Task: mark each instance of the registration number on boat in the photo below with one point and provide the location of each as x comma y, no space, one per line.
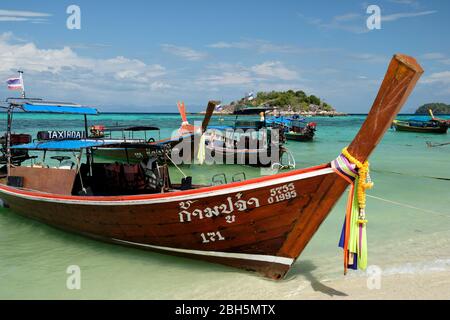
282,193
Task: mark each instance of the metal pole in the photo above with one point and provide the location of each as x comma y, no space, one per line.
88,150
8,140
23,83
86,126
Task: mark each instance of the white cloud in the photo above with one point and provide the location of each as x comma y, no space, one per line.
347,17
158,85
438,77
370,57
19,16
228,45
437,57
33,59
224,74
229,79
413,3
263,46
433,56
401,15
350,22
356,22
274,69
184,52
66,74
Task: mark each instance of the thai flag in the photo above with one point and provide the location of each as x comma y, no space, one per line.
15,84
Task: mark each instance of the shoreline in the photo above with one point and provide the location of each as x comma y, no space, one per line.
285,113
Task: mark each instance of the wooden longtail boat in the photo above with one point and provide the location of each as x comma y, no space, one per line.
246,142
295,128
301,133
432,126
261,224
187,132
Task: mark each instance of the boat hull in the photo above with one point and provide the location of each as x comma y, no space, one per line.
407,128
244,224
299,137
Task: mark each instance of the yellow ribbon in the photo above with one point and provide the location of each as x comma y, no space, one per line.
364,180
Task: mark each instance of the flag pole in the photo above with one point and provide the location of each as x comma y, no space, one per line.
23,84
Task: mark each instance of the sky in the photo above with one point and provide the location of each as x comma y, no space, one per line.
144,56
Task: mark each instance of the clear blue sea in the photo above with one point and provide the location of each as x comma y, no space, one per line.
408,231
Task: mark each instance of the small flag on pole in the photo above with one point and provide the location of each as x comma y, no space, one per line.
15,84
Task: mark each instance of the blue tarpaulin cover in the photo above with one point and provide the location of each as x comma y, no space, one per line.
420,119
50,108
64,144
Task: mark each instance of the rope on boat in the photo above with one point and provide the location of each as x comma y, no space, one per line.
291,157
412,175
409,206
176,165
83,189
280,166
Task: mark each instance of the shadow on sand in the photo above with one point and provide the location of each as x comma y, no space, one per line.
305,268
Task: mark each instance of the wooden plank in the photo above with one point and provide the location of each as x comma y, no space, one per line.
51,180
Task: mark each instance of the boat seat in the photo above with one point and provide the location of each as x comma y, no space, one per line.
134,177
113,175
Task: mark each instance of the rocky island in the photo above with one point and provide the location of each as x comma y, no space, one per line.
437,108
284,103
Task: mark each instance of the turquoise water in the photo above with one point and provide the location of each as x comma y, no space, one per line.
408,212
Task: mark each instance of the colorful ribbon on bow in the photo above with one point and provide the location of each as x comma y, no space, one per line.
353,237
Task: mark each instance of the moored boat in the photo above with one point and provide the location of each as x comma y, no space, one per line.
246,142
294,128
260,224
147,142
420,125
302,133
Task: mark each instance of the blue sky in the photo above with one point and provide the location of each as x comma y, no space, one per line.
143,56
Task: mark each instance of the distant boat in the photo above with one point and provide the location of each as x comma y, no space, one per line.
250,110
139,148
299,132
295,128
246,142
421,125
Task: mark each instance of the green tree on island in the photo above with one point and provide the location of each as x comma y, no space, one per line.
296,101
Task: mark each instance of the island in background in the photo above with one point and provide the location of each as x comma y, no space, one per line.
283,103
437,108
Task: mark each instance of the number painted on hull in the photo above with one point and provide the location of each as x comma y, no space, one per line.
211,237
282,193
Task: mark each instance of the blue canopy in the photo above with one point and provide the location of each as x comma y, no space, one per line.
65,144
420,119
282,120
58,108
